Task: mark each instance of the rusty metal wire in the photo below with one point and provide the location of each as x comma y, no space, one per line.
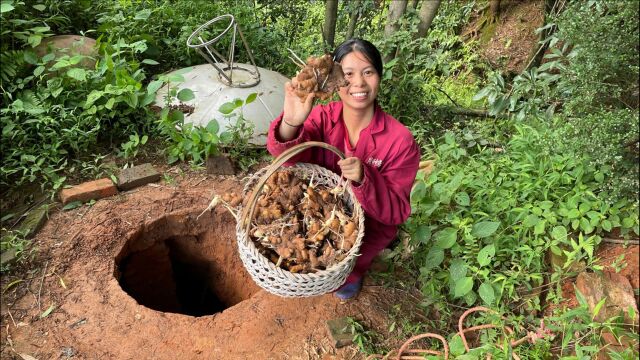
405,353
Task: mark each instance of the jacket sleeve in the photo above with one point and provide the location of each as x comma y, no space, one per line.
310,131
384,195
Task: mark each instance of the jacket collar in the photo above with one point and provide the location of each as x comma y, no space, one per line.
366,137
376,125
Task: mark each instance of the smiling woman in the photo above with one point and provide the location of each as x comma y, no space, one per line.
359,96
381,154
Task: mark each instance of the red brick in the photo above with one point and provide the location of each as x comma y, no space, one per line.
91,190
220,165
137,176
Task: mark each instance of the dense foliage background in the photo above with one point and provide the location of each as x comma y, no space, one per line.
551,167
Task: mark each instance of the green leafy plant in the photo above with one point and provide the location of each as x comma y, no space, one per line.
131,147
583,72
583,90
529,95
66,111
482,223
168,179
581,334
15,241
235,140
597,69
363,338
609,139
197,143
186,141
22,25
166,25
90,167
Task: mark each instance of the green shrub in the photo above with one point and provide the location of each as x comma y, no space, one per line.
164,26
601,57
609,139
435,70
63,111
483,222
586,91
167,25
196,143
593,63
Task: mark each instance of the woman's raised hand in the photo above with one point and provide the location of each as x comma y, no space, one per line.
295,111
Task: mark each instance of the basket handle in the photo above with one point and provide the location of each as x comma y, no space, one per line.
249,210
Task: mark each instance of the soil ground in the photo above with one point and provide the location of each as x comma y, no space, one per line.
509,42
139,275
86,256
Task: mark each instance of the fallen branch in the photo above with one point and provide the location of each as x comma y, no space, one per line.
622,241
456,110
44,273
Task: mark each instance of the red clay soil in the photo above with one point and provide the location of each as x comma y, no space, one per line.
135,240
609,253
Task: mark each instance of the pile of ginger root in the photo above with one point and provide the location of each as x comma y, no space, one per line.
300,227
319,75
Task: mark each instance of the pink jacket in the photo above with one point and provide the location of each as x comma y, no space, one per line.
387,149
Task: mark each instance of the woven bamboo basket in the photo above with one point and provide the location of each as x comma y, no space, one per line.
279,281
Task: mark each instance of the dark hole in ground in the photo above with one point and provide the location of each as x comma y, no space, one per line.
170,278
189,274
192,286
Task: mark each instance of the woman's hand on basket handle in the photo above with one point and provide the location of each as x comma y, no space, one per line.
295,111
351,168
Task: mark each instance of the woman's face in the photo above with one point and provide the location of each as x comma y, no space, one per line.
364,81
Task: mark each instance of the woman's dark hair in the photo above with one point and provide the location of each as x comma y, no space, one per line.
366,48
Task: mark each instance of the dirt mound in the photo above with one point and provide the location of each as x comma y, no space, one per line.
137,275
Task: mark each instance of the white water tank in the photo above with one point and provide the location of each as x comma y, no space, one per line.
210,93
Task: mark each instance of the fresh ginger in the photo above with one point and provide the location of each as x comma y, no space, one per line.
299,225
321,76
232,199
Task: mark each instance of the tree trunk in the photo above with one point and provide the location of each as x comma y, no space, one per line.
353,20
396,10
414,4
330,17
494,8
428,11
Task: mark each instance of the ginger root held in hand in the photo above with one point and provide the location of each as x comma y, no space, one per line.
321,76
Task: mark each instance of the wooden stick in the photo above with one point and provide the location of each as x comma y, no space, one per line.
44,273
621,241
301,63
12,320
